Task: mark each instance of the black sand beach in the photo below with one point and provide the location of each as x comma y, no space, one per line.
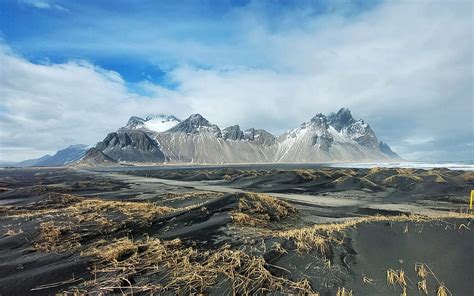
224,231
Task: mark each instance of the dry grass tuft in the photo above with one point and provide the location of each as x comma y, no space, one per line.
307,239
395,277
404,292
278,248
172,196
318,236
66,226
184,270
13,232
94,207
392,277
422,286
306,175
246,219
51,238
421,270
111,252
402,180
259,209
443,291
343,292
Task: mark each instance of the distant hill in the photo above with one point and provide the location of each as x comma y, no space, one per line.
61,157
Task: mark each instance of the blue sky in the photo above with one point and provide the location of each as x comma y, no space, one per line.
139,41
268,64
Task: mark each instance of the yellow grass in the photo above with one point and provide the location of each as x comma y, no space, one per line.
171,196
393,180
392,277
60,228
422,286
318,236
112,251
258,209
443,291
13,232
404,292
278,248
421,270
343,292
246,219
51,239
398,277
188,270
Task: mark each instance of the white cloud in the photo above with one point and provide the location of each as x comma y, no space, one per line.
42,4
50,106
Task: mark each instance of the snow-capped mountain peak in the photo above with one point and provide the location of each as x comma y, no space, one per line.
319,120
153,122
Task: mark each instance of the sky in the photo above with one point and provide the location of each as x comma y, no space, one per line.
73,71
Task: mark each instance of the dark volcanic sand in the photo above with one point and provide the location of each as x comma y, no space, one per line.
36,260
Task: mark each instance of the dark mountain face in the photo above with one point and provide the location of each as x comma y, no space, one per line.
259,136
343,118
135,122
232,133
163,117
356,130
95,157
194,125
320,120
131,145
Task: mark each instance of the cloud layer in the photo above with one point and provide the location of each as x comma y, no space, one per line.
405,67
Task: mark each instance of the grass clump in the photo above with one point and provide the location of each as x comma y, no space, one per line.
319,236
183,270
56,237
423,271
344,292
443,291
258,209
63,229
13,232
395,277
172,196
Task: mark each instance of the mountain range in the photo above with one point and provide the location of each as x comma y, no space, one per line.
167,139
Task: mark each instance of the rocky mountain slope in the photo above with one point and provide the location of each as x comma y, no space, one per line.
165,138
62,157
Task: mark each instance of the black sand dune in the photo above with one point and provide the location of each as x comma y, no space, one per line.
435,184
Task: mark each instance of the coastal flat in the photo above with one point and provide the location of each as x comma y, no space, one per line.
235,230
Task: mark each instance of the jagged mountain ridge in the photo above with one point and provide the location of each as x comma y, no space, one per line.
336,137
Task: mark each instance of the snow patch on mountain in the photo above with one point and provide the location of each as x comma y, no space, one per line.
153,122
